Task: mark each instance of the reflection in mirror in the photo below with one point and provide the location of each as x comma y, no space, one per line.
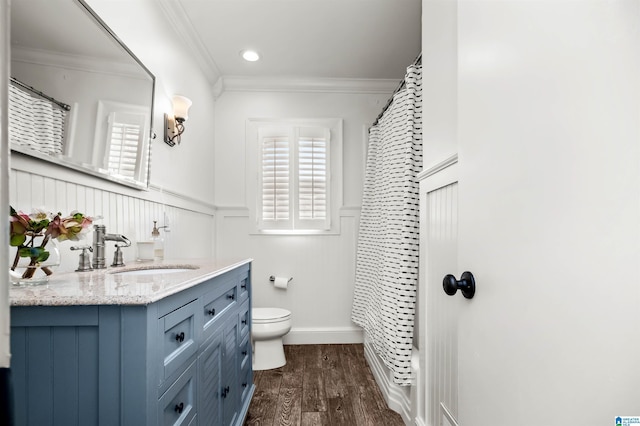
78,95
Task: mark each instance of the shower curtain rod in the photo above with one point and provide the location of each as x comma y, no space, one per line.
39,93
417,61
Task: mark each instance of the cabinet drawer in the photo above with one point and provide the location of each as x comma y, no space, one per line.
178,338
215,304
244,285
178,404
244,320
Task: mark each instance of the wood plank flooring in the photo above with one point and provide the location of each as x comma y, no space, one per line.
323,385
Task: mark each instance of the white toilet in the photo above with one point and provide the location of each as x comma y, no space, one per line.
268,327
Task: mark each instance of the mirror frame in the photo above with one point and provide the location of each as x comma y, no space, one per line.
65,161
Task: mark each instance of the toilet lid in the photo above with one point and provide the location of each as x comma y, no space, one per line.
269,314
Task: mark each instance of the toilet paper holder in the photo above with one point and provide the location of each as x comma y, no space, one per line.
272,278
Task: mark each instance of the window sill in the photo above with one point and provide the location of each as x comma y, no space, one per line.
279,232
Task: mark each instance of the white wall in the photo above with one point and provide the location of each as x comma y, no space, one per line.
439,80
141,25
322,267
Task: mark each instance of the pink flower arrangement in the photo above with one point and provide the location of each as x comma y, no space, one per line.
24,228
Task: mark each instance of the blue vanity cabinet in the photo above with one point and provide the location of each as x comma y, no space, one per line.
172,362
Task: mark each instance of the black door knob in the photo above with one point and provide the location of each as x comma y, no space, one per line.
467,285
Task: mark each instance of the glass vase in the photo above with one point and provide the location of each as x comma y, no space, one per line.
27,271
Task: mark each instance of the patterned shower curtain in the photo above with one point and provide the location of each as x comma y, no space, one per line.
387,249
35,123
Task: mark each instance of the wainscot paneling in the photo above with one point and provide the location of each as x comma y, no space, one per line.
123,210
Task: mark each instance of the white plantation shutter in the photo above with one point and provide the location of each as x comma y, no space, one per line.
313,182
294,179
275,182
125,134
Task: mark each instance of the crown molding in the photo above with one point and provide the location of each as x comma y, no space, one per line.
76,62
283,84
182,26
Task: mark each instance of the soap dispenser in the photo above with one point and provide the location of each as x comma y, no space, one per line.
158,243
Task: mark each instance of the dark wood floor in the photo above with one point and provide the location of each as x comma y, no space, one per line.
320,385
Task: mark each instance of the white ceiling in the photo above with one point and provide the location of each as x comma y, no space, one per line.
309,39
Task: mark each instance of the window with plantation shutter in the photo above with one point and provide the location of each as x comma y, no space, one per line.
124,137
294,178
121,140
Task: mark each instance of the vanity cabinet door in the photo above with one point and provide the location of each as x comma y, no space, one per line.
210,384
230,386
219,390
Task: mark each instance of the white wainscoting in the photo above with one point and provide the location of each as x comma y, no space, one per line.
398,397
124,210
324,335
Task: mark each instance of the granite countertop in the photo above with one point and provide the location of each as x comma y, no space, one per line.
105,287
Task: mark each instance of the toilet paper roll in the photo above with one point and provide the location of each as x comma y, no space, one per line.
281,282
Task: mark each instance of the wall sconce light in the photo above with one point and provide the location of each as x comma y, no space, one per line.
174,124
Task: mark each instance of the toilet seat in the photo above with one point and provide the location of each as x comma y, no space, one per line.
269,315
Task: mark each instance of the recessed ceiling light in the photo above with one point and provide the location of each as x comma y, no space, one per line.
250,55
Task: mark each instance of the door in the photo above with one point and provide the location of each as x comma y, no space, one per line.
548,123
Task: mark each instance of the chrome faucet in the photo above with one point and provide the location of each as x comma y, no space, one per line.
100,236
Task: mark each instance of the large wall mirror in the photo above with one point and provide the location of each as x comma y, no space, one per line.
78,96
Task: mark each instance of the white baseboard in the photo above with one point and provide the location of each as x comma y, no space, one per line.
398,397
324,336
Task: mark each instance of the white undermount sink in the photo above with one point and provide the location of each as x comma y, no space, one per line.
155,270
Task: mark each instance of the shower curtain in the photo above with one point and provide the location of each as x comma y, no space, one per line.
387,248
35,123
